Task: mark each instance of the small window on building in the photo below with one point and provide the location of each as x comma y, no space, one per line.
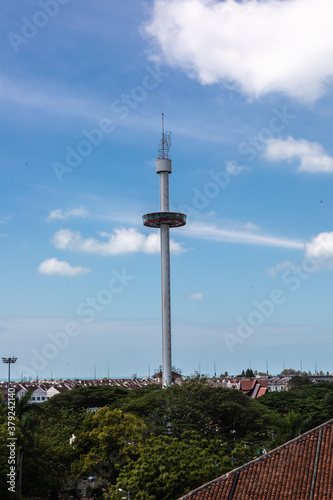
38,398
33,398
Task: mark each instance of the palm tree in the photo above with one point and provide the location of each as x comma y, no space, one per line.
26,438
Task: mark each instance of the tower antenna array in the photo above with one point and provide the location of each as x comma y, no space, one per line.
165,143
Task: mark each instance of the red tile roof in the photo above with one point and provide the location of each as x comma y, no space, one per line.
248,384
253,387
261,391
298,470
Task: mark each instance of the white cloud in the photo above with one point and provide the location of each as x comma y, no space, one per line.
259,46
318,256
59,214
196,296
311,155
320,246
55,266
233,169
250,226
272,272
120,241
210,232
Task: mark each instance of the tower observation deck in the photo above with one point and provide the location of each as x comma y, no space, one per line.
164,220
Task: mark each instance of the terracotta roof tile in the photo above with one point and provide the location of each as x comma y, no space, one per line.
298,470
248,384
261,391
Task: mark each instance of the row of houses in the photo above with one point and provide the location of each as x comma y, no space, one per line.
253,387
42,390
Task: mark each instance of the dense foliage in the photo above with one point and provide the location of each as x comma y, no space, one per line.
155,443
198,406
301,408
88,397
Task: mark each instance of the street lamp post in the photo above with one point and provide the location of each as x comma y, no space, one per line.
9,361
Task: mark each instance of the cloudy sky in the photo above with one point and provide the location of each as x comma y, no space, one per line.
246,88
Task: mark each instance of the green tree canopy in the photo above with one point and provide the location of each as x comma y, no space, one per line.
169,467
309,405
198,406
107,440
87,397
298,381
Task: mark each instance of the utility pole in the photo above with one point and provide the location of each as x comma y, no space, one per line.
9,361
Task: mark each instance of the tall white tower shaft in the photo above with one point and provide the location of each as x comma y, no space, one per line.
165,283
164,220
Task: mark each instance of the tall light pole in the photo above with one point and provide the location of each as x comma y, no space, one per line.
164,220
9,361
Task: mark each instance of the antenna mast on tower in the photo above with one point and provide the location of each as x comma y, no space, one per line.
165,143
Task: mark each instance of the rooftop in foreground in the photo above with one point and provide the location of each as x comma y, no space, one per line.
298,470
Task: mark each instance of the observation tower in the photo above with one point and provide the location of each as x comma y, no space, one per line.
164,220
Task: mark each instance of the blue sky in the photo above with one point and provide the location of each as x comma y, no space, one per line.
246,88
